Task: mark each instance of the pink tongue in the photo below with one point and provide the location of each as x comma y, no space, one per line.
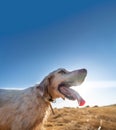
74,94
80,100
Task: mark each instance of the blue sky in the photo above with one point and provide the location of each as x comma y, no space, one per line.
37,37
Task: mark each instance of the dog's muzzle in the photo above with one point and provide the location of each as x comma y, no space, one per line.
75,78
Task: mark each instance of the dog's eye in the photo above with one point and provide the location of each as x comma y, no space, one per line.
62,72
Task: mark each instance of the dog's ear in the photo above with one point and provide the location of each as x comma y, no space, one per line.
44,86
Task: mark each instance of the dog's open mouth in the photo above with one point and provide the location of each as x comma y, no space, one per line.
70,94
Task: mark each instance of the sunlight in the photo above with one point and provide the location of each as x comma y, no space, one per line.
88,86
100,84
96,92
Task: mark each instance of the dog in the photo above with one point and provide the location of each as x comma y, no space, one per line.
27,109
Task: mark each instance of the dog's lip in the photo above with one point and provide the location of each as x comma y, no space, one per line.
64,88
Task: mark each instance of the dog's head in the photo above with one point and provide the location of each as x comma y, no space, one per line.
57,84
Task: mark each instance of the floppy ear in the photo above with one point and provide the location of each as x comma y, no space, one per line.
44,86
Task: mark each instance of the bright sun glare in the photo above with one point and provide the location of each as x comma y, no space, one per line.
88,91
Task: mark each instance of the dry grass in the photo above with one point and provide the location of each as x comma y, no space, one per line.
83,118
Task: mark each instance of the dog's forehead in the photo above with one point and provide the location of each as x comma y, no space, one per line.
61,69
58,70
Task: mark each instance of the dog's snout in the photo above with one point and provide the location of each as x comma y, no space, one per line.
83,70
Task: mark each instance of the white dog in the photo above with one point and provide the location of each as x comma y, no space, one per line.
26,109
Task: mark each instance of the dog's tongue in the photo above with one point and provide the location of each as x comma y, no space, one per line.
72,95
80,100
76,95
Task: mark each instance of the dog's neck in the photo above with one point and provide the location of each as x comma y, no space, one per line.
46,96
44,93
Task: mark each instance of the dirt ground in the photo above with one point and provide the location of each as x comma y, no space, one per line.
88,118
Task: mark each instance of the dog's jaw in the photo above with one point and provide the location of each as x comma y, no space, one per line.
71,94
75,80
